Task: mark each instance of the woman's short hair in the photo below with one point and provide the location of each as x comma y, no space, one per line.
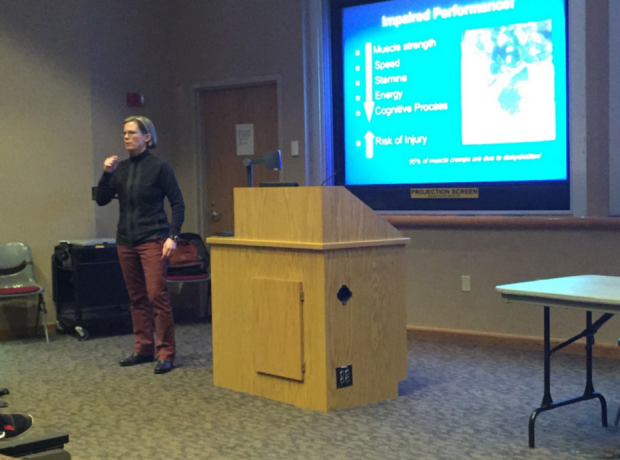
145,126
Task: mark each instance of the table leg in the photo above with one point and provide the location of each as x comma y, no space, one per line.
589,393
589,342
547,400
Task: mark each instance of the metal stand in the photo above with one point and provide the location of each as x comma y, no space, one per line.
271,160
249,179
589,393
42,311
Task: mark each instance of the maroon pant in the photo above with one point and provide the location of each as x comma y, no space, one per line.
144,273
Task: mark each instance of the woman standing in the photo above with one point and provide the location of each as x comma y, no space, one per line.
144,239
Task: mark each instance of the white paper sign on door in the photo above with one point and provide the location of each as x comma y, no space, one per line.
245,140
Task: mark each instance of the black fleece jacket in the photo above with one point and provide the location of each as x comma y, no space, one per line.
141,183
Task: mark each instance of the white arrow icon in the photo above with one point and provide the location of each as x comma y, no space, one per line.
369,104
370,140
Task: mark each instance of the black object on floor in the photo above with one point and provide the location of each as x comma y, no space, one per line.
136,359
163,367
28,446
89,290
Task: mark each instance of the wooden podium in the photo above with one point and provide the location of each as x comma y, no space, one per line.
308,299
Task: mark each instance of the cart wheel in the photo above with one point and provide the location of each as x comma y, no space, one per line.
82,334
60,328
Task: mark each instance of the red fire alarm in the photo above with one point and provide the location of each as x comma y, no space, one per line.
135,100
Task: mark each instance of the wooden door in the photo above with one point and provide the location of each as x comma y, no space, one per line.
224,109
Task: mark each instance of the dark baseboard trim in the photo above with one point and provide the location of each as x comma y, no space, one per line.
427,334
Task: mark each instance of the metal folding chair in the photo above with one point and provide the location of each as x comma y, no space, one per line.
17,277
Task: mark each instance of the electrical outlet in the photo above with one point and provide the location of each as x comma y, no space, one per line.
465,283
344,376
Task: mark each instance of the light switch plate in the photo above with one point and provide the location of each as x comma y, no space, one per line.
466,283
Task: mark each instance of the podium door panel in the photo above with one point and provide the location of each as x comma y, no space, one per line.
278,315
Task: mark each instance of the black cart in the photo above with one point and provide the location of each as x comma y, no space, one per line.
89,290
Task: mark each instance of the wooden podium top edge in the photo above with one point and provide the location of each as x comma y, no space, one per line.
231,241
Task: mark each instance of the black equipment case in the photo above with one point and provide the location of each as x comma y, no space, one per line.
88,286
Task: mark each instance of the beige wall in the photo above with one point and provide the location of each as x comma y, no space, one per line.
228,42
45,129
437,259
65,66
129,50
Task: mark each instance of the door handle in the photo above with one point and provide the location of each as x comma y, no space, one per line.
215,216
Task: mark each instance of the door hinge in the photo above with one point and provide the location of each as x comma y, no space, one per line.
301,296
303,368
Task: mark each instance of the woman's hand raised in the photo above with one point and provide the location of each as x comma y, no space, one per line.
110,164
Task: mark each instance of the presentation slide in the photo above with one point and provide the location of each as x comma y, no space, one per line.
444,92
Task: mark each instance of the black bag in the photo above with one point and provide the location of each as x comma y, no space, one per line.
190,258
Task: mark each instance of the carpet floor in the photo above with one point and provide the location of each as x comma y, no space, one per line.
459,402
